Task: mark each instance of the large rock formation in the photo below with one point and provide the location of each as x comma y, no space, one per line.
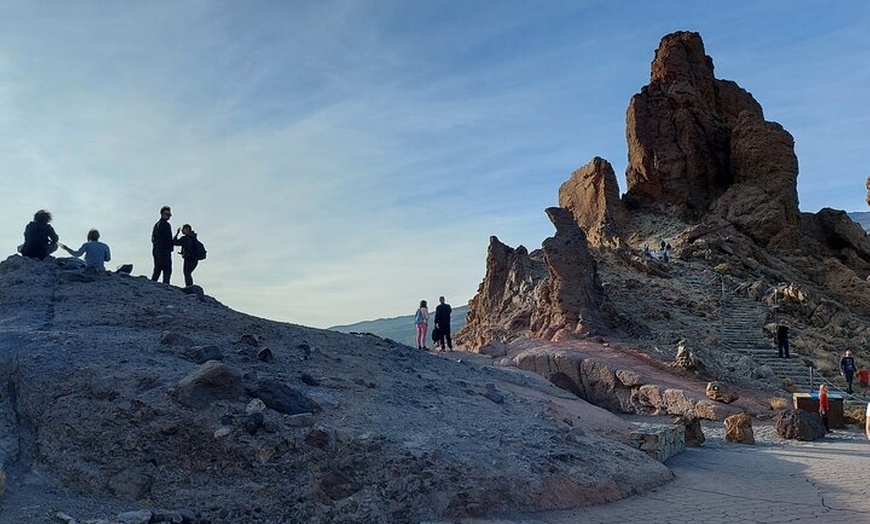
709,175
592,195
553,290
678,129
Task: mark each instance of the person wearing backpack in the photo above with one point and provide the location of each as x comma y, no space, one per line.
421,320
192,251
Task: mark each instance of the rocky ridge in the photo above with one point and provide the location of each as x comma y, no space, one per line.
716,184
123,395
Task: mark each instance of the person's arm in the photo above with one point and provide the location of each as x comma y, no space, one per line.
77,253
108,253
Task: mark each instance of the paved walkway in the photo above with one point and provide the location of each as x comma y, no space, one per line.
820,482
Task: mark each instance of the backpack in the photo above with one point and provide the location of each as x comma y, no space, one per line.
418,317
198,249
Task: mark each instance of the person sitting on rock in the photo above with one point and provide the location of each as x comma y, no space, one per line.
96,253
40,240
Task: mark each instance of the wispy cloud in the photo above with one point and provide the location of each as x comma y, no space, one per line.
343,160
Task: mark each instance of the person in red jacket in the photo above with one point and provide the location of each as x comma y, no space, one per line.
824,406
863,379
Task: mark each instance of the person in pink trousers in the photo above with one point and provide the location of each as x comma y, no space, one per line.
421,320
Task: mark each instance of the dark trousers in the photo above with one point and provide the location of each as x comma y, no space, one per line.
783,348
190,264
848,376
162,264
445,336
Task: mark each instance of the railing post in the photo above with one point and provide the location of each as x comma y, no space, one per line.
812,385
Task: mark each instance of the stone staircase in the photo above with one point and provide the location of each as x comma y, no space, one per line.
742,332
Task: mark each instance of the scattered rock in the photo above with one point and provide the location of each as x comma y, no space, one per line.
174,339
209,382
282,398
720,392
265,355
142,516
797,424
738,428
694,434
493,394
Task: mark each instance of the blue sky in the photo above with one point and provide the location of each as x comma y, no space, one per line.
342,160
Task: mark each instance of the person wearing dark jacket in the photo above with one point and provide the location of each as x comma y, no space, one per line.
442,323
162,246
188,252
40,240
847,369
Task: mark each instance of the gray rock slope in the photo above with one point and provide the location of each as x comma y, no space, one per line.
138,395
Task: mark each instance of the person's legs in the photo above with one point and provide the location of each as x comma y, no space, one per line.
449,341
189,265
157,269
849,377
421,335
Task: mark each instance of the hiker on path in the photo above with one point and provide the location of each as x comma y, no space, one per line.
162,246
847,369
188,251
863,379
40,240
782,339
867,421
824,406
442,323
96,253
421,320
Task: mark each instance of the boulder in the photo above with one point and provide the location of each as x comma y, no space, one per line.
797,424
694,434
592,196
720,392
545,294
282,398
738,428
211,381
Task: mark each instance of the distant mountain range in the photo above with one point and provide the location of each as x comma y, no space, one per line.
862,218
401,329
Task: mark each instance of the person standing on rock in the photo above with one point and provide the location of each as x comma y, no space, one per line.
782,339
40,240
421,320
847,369
162,245
96,253
188,251
442,323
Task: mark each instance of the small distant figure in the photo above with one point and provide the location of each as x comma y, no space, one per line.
40,240
421,320
96,253
189,251
847,369
646,250
824,406
867,421
442,323
782,339
663,245
162,246
863,379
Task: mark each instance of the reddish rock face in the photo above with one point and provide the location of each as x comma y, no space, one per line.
592,195
678,129
540,294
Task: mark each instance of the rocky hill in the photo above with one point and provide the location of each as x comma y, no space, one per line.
126,395
706,246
